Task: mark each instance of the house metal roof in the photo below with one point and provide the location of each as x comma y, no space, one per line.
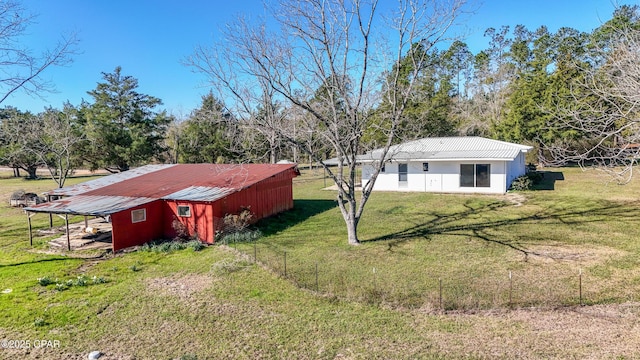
450,148
191,182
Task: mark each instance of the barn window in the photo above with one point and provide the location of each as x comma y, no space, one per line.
184,211
138,215
402,172
425,166
475,175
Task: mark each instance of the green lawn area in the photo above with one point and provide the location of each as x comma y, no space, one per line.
430,281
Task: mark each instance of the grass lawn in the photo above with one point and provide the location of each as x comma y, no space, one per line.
431,280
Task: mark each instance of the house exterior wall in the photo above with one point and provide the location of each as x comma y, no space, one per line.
126,233
516,168
444,176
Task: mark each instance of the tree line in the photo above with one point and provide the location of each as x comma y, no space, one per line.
556,91
329,82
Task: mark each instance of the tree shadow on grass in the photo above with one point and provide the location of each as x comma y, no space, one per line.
34,261
302,210
479,222
549,179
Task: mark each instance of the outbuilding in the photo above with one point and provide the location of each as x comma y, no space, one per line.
467,164
146,203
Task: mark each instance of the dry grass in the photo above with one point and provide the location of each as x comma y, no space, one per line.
593,332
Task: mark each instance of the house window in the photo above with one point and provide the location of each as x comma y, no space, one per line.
475,175
402,172
425,166
184,211
483,175
138,215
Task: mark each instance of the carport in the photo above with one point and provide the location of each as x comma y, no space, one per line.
84,205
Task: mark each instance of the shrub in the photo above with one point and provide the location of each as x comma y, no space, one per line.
243,236
521,183
45,280
237,222
196,245
99,280
39,322
526,182
81,281
61,286
182,233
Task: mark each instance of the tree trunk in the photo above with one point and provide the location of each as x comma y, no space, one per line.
352,231
351,220
32,171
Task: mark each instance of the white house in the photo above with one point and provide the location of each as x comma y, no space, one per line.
448,164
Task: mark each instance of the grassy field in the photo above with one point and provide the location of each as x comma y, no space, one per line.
430,281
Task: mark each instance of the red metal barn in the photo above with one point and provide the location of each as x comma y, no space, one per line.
153,201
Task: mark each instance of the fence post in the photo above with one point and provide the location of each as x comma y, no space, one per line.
375,287
255,252
580,284
317,277
285,264
440,298
510,290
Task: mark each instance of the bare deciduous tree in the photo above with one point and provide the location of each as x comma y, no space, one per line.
20,69
603,117
334,60
57,147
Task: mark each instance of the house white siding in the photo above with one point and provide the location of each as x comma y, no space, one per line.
442,176
450,164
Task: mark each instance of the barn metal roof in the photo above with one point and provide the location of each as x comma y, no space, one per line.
199,193
190,182
90,205
450,148
107,180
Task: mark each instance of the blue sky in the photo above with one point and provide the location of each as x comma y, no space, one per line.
150,38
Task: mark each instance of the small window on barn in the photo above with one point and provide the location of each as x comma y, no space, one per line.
139,215
425,166
184,211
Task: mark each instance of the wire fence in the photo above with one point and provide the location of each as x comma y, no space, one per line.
453,291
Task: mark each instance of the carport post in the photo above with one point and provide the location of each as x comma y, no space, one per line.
66,220
86,223
50,214
30,233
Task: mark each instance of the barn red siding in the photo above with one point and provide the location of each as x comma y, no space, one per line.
200,221
265,198
211,191
125,233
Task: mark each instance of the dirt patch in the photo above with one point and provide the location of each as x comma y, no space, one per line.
180,285
516,199
583,255
80,238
